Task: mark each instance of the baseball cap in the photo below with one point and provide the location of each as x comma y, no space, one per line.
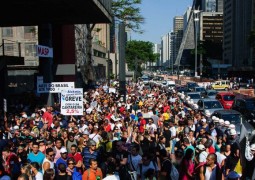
203,120
232,132
92,143
253,147
24,116
86,132
200,147
227,123
63,150
221,121
231,126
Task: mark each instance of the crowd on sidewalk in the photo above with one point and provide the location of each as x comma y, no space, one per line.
148,134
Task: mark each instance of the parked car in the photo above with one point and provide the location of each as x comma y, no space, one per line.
234,117
226,99
209,104
209,94
246,107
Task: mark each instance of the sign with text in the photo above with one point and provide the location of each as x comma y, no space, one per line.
72,101
44,51
54,87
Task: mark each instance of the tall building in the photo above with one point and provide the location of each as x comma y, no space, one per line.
186,18
209,5
27,37
178,34
219,5
238,24
211,26
165,50
156,50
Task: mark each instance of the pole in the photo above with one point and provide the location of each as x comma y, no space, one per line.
19,49
116,67
3,46
195,48
136,69
122,70
108,68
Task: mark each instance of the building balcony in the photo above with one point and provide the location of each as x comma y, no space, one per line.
35,12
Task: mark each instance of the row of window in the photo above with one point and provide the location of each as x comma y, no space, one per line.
29,32
11,49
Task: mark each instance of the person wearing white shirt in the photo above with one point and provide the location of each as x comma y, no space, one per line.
35,169
151,127
95,136
173,135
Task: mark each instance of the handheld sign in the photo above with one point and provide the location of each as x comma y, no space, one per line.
72,101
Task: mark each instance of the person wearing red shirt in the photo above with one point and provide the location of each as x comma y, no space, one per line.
74,154
107,126
48,117
10,163
142,124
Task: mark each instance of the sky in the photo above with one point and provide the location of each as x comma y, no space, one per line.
159,16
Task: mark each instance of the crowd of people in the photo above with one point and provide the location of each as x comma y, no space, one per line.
149,133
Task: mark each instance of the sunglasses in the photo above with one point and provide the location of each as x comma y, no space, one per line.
71,163
85,141
52,155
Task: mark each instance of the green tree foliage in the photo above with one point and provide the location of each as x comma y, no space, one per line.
139,52
128,12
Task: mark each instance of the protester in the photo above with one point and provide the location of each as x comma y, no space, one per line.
141,136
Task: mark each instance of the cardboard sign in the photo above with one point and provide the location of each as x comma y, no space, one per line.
72,102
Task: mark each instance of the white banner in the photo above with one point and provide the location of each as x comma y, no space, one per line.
44,51
72,102
54,87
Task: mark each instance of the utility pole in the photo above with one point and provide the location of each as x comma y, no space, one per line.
108,68
122,60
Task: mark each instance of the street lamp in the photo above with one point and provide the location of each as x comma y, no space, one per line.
196,20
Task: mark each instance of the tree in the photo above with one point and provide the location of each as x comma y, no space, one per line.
122,10
139,52
128,12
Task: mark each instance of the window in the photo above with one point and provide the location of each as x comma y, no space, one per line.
29,32
29,29
8,49
7,32
30,49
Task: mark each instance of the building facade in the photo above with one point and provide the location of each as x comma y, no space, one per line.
178,34
238,24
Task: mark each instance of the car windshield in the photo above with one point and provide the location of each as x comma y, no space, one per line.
194,96
212,93
250,105
228,97
232,118
212,105
200,89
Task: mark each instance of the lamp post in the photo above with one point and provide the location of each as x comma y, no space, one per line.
196,20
